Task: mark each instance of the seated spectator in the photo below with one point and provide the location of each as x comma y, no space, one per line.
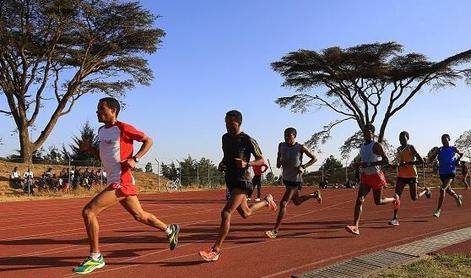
15,178
64,176
77,178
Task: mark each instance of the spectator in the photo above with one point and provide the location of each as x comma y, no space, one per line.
29,181
64,176
15,178
77,178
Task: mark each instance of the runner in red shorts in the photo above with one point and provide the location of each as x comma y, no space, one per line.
116,153
372,178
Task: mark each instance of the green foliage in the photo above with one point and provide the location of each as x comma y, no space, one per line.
362,82
202,172
87,134
54,52
332,163
463,143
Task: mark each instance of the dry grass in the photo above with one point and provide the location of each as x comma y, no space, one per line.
146,183
437,266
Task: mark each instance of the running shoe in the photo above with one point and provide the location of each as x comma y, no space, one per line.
89,264
394,222
437,213
271,203
459,201
271,234
397,202
428,193
257,200
173,236
210,255
353,229
317,195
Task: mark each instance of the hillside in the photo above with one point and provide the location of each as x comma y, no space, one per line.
147,182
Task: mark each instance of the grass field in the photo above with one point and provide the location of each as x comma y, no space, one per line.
435,266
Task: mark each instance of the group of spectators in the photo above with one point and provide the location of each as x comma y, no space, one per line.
65,180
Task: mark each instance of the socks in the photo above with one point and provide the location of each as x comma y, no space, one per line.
95,256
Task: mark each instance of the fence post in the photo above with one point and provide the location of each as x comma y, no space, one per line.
209,178
158,174
198,174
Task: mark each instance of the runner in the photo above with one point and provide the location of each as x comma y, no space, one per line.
237,147
257,180
464,174
116,153
290,158
407,158
372,158
447,169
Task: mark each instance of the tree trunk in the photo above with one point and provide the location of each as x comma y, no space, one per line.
26,146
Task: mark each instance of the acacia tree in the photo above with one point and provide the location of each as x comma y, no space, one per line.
463,143
363,82
53,52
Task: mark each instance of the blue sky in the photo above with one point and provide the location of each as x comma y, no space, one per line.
217,54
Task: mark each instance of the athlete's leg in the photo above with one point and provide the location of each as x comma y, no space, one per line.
290,191
245,210
237,197
445,184
133,206
363,191
380,200
105,199
399,189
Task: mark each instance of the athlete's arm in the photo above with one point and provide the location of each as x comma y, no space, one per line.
263,168
145,147
278,157
257,153
419,160
312,157
378,150
257,162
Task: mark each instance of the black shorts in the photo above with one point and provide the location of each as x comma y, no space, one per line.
405,181
291,184
244,185
257,181
447,177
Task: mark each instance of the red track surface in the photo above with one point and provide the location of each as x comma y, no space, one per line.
47,238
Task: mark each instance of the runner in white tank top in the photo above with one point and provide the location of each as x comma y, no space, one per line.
372,158
290,159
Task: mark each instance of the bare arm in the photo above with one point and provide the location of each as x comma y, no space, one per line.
264,167
378,150
278,157
145,147
257,162
312,157
419,160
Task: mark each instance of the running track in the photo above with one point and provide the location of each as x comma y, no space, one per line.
47,238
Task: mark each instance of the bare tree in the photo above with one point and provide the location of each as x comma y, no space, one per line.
54,52
363,82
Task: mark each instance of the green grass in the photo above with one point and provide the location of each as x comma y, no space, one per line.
436,266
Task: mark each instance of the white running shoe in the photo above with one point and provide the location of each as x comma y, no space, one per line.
394,222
